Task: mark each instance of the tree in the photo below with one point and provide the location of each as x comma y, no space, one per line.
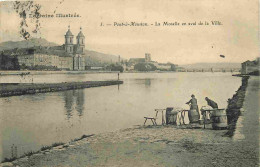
15,62
23,66
114,67
9,62
28,10
145,67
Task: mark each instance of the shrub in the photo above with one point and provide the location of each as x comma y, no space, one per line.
145,67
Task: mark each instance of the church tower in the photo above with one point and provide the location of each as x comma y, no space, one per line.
80,42
79,58
69,41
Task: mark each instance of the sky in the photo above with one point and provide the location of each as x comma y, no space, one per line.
236,38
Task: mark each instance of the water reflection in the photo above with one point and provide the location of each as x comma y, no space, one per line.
147,82
71,98
68,99
80,102
11,143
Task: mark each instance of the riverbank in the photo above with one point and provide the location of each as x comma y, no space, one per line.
3,73
146,146
24,88
235,105
154,146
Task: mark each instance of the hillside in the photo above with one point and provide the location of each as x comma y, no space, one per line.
212,65
93,57
101,57
25,44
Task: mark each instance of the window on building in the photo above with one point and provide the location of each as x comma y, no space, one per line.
70,49
82,49
70,40
81,41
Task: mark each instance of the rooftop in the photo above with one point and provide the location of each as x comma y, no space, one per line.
69,33
80,34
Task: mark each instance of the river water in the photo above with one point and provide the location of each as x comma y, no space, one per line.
29,122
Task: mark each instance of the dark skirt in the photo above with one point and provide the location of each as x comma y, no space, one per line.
195,107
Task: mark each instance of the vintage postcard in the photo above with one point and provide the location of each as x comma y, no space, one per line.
129,83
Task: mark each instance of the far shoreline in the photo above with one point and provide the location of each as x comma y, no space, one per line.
8,73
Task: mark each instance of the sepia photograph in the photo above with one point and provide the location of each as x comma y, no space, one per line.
129,83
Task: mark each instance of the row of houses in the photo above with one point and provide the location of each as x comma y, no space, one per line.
148,60
49,57
44,57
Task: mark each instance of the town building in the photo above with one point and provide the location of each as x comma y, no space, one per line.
46,57
163,66
146,59
69,56
250,66
76,50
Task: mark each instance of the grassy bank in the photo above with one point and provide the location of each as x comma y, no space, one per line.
46,149
22,89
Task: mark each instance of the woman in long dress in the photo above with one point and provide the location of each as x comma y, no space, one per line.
193,104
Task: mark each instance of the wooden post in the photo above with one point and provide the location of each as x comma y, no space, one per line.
204,116
162,118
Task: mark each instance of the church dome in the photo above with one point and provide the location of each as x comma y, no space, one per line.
68,33
80,34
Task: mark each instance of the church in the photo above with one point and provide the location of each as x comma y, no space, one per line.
69,56
76,51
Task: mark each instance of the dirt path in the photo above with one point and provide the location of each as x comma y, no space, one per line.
151,146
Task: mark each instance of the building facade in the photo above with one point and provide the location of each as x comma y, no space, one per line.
65,63
41,56
148,57
162,66
250,66
76,51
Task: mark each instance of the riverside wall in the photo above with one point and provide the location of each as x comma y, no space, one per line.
235,105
